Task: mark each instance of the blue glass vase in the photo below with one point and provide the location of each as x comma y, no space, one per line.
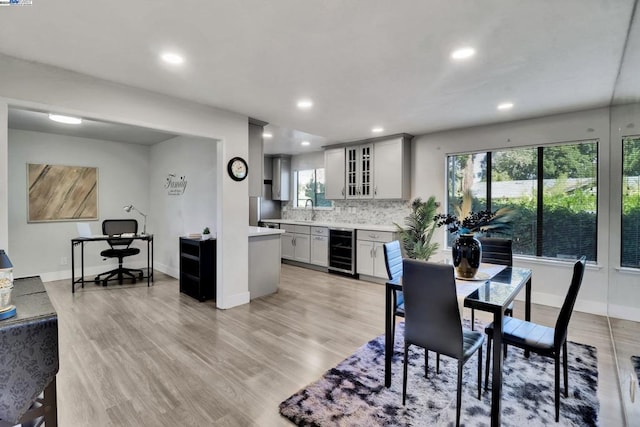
467,253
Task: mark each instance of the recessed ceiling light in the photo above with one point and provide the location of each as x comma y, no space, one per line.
65,119
267,135
463,53
305,143
505,106
377,129
305,104
172,58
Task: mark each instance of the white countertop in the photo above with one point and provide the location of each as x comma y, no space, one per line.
348,225
263,231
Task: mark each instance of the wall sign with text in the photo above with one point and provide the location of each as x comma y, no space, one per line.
175,185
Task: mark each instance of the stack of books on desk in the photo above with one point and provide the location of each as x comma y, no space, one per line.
195,235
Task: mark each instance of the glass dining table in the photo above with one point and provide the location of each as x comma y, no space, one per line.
492,295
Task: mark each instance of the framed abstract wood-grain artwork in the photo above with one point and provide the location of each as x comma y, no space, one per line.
61,193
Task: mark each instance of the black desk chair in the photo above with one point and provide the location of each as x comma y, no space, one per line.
119,249
549,342
432,320
496,251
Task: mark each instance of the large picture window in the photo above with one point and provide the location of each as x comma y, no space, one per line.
630,233
553,190
310,187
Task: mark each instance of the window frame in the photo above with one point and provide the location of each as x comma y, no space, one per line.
622,197
540,187
315,192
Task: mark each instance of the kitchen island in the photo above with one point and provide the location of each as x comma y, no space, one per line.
264,261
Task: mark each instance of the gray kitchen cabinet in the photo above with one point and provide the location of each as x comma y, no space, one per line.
281,178
334,174
286,244
296,243
379,169
255,160
370,252
320,246
392,169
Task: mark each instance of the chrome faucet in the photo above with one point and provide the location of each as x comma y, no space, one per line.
313,212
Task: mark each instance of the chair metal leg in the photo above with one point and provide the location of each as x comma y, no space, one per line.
437,363
426,363
486,374
473,319
566,370
480,372
393,317
557,386
404,374
459,394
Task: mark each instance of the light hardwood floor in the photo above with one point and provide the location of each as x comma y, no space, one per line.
137,356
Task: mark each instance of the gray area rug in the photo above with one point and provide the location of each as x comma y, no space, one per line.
353,393
635,361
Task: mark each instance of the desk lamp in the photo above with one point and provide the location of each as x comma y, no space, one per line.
6,285
129,208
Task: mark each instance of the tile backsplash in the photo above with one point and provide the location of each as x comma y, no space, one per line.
383,212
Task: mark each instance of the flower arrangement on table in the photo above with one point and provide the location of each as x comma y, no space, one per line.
466,249
465,221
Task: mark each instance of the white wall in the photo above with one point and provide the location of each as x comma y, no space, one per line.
123,178
550,278
173,216
30,85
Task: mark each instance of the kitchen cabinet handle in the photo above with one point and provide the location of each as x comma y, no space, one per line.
375,190
343,191
371,253
375,252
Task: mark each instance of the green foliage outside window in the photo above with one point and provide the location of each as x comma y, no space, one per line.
310,185
630,233
567,225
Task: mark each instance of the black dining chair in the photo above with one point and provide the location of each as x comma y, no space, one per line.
432,320
496,251
543,340
119,248
393,262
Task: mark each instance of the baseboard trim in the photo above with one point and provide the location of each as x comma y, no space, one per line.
233,300
624,312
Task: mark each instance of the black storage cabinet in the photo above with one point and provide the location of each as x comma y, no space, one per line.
198,268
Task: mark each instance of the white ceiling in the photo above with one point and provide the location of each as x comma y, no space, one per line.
364,63
39,122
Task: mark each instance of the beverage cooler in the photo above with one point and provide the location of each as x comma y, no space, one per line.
342,252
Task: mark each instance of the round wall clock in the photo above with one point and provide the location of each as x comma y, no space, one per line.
237,168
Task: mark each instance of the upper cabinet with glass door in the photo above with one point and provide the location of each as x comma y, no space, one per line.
379,169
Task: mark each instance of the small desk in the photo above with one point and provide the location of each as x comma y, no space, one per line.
80,241
29,343
493,296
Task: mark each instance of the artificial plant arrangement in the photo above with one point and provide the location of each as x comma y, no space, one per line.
419,228
465,221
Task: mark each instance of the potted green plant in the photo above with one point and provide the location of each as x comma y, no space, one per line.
416,235
206,234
